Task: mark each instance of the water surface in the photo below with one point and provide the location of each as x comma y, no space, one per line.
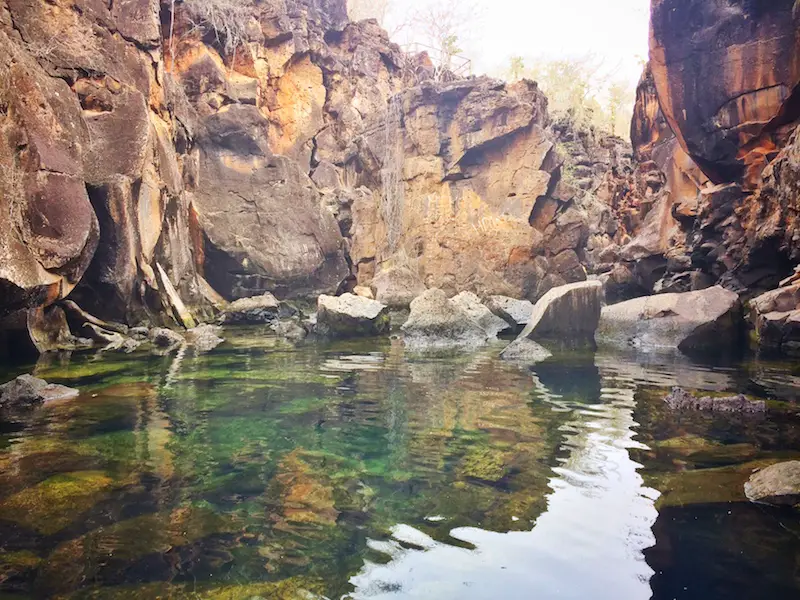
353,470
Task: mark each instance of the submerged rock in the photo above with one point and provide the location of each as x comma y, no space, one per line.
436,321
689,322
471,304
515,312
254,310
26,391
351,316
567,315
204,338
680,399
777,484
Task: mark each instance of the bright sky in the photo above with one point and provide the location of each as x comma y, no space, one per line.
615,31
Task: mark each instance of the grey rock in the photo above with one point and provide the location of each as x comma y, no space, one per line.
351,316
471,304
777,484
254,310
680,399
204,338
515,312
567,315
139,333
26,391
523,350
290,330
397,287
166,338
436,322
689,322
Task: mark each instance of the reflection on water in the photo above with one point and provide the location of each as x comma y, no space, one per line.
354,471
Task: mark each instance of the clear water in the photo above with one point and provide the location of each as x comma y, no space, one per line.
351,470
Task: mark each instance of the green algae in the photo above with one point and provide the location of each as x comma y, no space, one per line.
486,464
57,502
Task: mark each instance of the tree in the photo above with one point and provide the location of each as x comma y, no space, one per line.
516,69
226,19
620,96
444,24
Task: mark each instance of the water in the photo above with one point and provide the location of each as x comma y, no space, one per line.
352,470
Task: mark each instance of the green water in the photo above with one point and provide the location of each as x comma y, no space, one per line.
352,470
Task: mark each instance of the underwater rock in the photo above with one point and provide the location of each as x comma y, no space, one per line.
204,338
166,338
26,391
690,322
567,315
437,322
57,502
254,310
351,316
515,312
471,304
777,484
680,399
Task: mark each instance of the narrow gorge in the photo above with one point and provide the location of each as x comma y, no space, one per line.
289,310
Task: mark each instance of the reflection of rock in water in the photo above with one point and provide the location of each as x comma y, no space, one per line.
588,544
732,551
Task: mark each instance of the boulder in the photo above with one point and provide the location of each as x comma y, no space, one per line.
680,399
471,304
567,315
351,316
26,391
364,292
436,322
166,338
515,312
290,329
777,484
204,338
254,310
776,318
397,287
689,322
524,350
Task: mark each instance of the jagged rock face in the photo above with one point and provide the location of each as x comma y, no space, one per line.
715,112
49,231
727,74
458,169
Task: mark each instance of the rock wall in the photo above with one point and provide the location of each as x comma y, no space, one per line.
715,116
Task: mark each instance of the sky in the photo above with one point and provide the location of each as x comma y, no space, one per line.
612,31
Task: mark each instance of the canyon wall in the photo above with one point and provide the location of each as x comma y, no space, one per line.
716,114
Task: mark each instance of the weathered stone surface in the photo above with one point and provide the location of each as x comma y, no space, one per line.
777,484
567,315
471,304
726,75
397,287
691,321
257,309
26,391
166,338
351,316
436,322
204,338
680,399
526,351
517,313
261,215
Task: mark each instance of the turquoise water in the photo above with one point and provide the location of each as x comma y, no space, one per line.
351,470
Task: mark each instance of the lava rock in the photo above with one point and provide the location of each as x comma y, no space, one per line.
26,391
777,484
351,316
